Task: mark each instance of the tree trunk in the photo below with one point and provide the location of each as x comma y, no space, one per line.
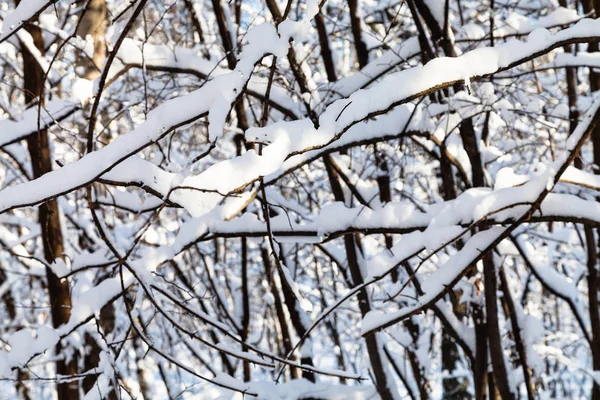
94,22
373,347
362,54
48,215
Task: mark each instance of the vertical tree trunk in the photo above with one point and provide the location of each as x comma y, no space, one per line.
94,22
362,54
245,305
224,32
326,54
279,310
593,278
480,367
494,339
518,337
364,304
455,388
195,21
385,196
593,281
48,215
297,321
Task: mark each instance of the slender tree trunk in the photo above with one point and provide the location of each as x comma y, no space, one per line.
224,32
362,54
593,279
293,309
245,305
295,64
593,282
326,54
385,195
364,304
279,310
94,23
195,20
480,367
492,317
49,216
516,329
455,388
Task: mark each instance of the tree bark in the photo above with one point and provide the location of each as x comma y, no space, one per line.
49,216
326,54
494,340
516,329
279,310
94,22
381,379
362,54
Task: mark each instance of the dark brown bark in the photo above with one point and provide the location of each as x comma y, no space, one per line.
195,21
296,319
593,278
326,54
7,298
426,52
22,389
60,298
48,215
295,66
516,331
245,305
274,10
454,388
593,281
91,359
362,54
572,96
588,7
480,366
403,378
279,310
225,34
592,261
93,22
447,175
467,134
439,34
492,318
140,369
385,196
571,87
381,380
